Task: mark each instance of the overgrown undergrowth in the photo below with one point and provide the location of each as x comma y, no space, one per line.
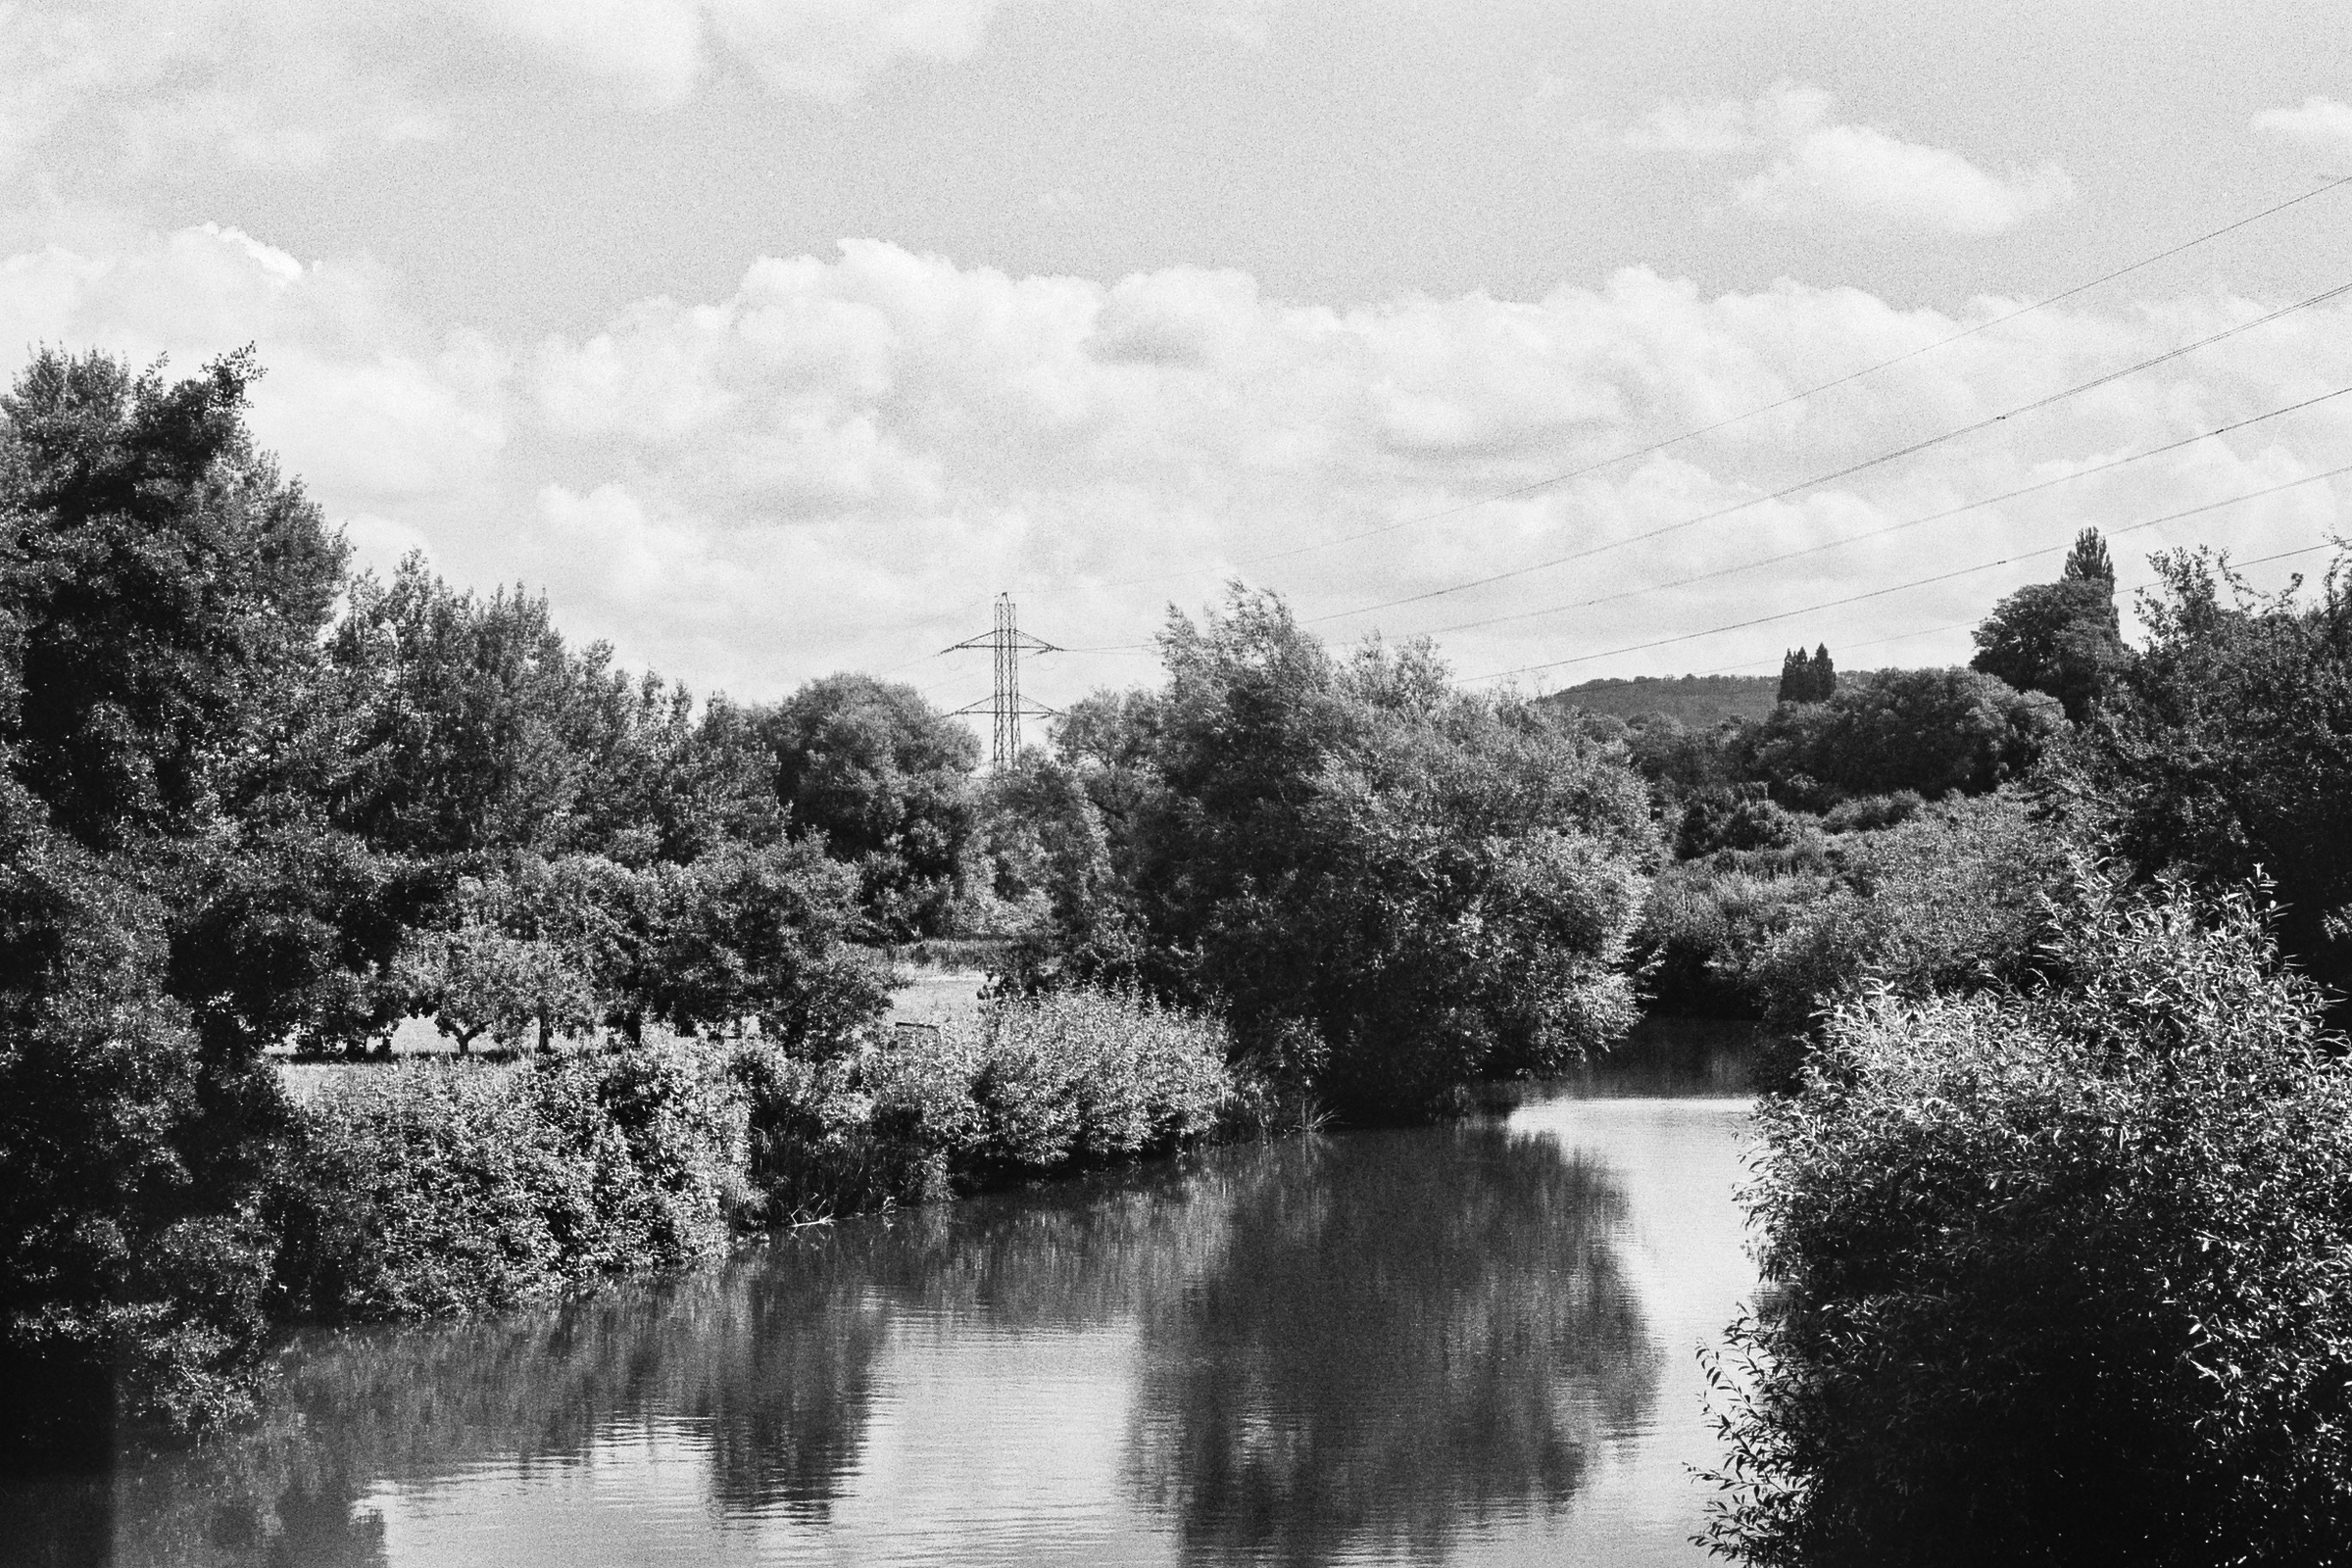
432,1190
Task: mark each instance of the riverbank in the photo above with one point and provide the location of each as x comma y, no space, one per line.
1471,1337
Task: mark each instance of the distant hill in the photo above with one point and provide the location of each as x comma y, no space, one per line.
1700,701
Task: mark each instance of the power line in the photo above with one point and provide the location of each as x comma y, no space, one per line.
1894,527
1917,582
1962,625
1597,466
1850,469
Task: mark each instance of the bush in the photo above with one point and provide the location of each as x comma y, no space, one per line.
1723,819
425,1191
1935,731
2062,1276
1039,1083
1868,813
1705,930
132,1263
1949,898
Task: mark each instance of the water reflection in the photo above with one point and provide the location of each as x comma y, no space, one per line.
1403,1337
1306,1352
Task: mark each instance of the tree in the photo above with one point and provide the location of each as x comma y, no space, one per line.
2061,1275
1808,678
758,936
2226,752
2063,638
2088,561
884,777
162,592
1930,730
1395,887
510,967
472,713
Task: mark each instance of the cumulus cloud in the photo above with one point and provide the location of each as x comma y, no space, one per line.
2321,122
835,463
1824,171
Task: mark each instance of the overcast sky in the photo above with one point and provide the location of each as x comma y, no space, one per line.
772,337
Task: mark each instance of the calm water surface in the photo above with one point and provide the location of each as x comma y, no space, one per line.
1472,1344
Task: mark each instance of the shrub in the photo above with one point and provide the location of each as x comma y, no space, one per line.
1038,1083
2063,1276
1722,819
431,1190
1952,897
1935,731
1706,928
818,1148
1868,813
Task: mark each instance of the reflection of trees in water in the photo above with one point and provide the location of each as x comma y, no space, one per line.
1362,1339
769,1366
1404,1334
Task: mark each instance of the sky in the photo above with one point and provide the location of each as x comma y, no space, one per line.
775,338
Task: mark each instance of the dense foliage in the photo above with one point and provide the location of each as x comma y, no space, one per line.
2061,638
2064,1275
2227,749
162,591
1395,887
431,1190
1808,677
233,819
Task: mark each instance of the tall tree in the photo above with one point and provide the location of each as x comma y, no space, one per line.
1397,887
2063,638
885,777
162,591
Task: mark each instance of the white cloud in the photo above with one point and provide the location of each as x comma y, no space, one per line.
2321,122
1837,170
809,471
1823,171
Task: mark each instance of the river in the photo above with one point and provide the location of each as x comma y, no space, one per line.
1473,1343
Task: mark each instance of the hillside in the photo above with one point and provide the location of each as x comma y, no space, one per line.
1696,700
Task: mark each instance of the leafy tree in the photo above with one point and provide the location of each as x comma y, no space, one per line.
1930,730
758,936
1436,887
473,712
2060,1276
165,589
884,777
162,596
505,968
2226,751
2088,561
2064,637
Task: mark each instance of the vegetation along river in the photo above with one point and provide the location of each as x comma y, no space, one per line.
1473,1342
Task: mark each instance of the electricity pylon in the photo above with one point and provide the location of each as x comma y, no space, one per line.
1009,642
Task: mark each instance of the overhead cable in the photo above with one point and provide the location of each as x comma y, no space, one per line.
1917,582
1850,469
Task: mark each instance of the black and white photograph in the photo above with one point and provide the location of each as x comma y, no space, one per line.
1175,784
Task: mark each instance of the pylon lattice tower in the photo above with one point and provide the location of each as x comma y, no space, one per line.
1008,642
